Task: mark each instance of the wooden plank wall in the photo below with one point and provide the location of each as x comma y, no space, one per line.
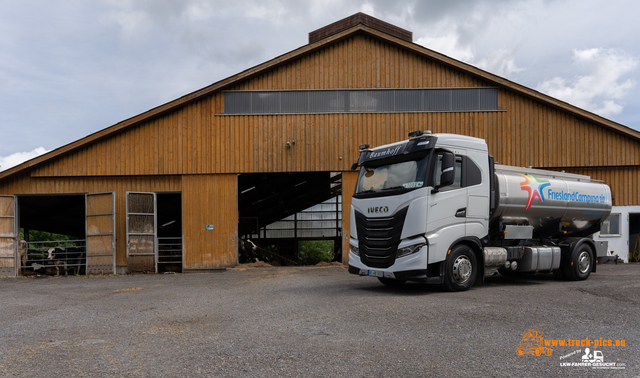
210,200
7,236
119,185
349,180
202,249
533,134
624,182
101,234
361,62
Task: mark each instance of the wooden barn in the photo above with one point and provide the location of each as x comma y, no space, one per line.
198,174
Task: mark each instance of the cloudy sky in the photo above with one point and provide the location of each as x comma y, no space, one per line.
70,68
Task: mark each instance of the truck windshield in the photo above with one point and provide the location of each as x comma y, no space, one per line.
406,175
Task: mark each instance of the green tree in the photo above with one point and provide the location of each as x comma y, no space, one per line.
311,252
36,236
41,241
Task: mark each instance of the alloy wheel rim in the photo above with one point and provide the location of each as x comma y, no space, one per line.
462,269
584,262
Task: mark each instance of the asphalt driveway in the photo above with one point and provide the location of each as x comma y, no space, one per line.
314,321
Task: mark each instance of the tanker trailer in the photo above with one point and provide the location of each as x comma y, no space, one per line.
436,209
543,213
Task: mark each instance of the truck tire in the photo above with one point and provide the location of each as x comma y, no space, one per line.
460,269
391,282
581,263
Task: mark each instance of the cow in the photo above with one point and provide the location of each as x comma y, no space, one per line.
23,256
67,258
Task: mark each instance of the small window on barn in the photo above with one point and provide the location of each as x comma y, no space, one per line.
360,101
611,226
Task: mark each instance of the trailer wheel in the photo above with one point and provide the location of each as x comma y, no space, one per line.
460,269
391,282
581,263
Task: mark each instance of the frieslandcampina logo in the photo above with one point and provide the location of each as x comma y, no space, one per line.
538,188
533,186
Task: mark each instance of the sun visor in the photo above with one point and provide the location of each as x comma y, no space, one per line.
399,150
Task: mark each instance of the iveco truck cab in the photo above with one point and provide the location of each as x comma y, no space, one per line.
436,209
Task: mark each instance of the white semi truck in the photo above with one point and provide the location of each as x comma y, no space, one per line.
436,209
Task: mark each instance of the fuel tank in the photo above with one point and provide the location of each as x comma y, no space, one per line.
554,203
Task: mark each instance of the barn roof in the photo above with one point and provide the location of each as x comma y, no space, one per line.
323,37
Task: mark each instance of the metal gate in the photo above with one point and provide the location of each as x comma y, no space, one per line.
8,236
141,232
101,237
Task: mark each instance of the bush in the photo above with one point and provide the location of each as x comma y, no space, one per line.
311,252
37,236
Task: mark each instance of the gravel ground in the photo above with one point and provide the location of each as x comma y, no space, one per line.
311,322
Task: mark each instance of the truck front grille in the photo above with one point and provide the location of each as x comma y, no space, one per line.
379,238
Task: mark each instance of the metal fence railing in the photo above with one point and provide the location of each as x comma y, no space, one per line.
54,257
169,252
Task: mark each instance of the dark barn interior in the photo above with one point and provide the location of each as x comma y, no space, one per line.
59,214
169,232
54,234
266,198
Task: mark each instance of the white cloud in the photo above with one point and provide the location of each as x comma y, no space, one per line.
447,45
603,88
134,23
462,36
501,63
19,158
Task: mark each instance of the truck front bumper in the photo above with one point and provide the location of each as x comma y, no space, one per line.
410,268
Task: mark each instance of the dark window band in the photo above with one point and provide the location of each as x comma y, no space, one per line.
361,101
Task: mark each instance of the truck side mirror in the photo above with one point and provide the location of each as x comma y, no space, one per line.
448,173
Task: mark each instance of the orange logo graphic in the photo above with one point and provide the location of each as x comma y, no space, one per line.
532,343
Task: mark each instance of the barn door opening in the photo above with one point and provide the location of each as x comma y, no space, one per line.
7,236
141,232
52,229
101,238
634,237
169,232
290,218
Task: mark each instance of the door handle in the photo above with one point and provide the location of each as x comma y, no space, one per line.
461,213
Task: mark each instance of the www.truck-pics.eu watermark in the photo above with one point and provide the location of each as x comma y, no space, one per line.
589,354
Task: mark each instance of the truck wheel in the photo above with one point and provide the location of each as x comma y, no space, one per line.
581,263
391,282
460,269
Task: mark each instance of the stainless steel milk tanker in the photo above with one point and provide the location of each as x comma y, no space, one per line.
553,203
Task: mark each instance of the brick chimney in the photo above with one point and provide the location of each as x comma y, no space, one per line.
360,18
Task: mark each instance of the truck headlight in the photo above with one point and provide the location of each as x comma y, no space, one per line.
406,251
354,249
